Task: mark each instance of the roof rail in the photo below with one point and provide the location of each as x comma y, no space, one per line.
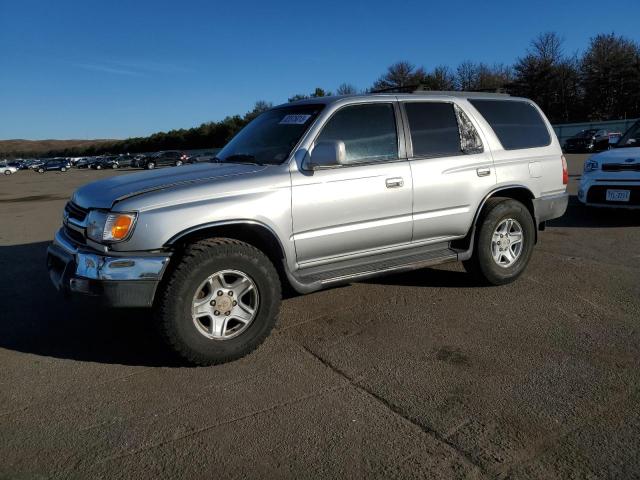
420,88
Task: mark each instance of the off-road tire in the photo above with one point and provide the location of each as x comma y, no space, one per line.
173,304
482,265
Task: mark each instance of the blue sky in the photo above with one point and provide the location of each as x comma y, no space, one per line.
113,69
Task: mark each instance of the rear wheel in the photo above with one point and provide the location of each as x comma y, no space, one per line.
114,166
41,170
98,167
151,166
220,302
504,241
63,169
178,163
7,172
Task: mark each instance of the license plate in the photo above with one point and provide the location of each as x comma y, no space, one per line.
618,195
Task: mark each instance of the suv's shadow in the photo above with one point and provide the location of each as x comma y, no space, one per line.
580,216
36,319
428,277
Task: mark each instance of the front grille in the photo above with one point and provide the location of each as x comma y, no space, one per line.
598,194
76,212
74,235
621,167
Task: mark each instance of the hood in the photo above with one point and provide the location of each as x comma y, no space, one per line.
626,155
105,193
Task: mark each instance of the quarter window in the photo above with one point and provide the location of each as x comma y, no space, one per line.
517,124
368,132
434,129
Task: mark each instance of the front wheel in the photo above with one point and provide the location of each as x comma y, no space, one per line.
151,166
178,163
504,240
220,302
7,172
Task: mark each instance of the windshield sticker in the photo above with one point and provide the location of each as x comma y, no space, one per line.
294,119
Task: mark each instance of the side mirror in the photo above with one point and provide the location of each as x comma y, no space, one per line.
327,154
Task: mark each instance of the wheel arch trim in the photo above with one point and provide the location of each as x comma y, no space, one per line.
466,254
228,223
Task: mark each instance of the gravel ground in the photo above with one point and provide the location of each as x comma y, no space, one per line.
418,375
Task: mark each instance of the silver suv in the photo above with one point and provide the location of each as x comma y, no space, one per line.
312,194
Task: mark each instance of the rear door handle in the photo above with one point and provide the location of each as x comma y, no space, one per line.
483,172
394,182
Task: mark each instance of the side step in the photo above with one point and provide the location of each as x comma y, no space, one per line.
315,278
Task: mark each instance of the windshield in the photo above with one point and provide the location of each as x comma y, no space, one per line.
270,137
631,138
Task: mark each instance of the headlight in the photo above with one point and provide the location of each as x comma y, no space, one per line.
590,166
109,227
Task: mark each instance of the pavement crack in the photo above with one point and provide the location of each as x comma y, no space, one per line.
426,430
206,428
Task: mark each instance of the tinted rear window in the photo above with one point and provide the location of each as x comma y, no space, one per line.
517,124
434,129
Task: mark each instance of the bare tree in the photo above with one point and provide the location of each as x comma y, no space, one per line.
441,78
466,76
400,74
472,76
346,89
547,47
549,78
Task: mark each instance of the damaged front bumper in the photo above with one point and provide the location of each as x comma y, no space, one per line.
119,281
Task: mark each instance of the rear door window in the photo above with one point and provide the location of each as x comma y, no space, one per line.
517,124
434,129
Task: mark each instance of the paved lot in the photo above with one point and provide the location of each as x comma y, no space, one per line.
419,375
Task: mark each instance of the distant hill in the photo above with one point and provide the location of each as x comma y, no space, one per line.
25,148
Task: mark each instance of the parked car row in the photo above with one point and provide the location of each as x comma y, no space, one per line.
591,140
148,161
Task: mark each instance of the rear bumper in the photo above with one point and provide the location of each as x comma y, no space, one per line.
129,281
548,208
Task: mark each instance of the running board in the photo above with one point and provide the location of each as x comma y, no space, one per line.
314,278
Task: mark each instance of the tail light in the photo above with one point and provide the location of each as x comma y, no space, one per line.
565,171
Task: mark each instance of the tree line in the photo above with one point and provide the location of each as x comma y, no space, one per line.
602,83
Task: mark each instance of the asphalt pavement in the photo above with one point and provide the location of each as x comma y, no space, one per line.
414,375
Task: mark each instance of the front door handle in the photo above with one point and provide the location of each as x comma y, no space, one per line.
483,172
394,182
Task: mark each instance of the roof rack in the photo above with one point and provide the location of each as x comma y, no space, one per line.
420,88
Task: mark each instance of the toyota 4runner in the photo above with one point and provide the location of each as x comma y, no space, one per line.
313,194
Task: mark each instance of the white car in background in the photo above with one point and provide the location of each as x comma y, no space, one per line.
7,170
612,178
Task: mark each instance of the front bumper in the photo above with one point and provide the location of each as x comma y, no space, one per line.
118,281
593,187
